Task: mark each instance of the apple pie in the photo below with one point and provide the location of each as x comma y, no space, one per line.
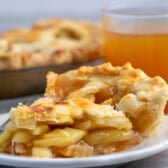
50,42
87,112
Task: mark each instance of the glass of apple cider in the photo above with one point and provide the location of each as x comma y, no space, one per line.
137,33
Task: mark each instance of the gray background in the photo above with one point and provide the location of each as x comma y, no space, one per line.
20,13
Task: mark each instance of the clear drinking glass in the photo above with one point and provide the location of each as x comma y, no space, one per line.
137,32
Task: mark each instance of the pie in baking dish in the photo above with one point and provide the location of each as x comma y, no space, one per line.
50,42
87,112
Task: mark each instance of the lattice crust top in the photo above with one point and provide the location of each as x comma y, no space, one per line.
50,42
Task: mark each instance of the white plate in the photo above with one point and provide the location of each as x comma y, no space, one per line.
151,146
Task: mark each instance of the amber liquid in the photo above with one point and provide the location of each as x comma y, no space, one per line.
146,51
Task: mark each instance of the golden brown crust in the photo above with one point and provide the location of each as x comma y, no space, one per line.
127,89
55,41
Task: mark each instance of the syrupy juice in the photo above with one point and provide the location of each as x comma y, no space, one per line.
148,52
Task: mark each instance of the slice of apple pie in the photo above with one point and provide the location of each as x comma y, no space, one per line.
86,112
